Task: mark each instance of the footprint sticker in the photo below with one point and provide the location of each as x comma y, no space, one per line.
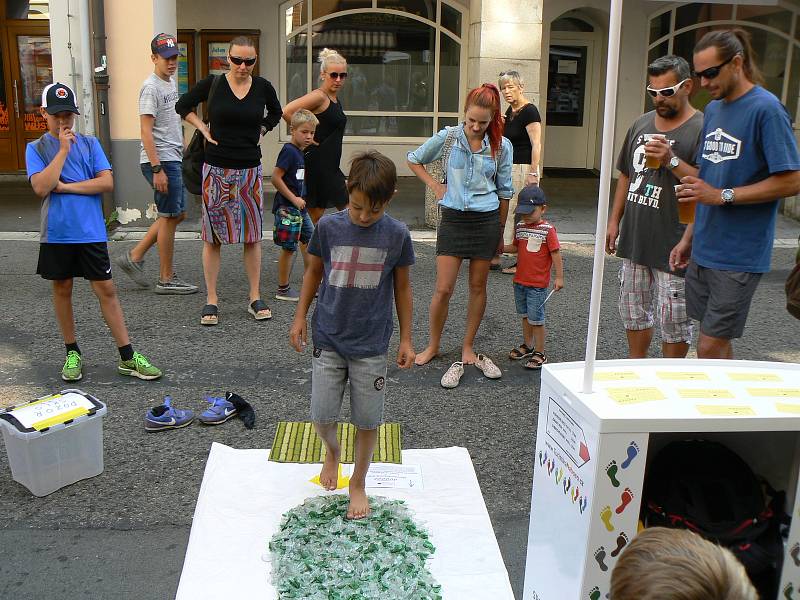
622,541
627,496
567,484
541,458
633,452
788,591
600,557
575,493
594,593
559,475
605,517
795,553
583,503
551,466
611,471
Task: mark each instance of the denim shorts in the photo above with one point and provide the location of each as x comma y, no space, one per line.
173,203
530,302
329,375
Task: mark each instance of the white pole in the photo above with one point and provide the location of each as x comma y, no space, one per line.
606,166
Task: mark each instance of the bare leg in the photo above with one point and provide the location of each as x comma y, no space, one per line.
140,249
447,268
476,306
527,333
62,304
106,293
284,266
674,350
539,334
211,260
712,347
639,342
365,446
252,266
315,213
329,475
166,245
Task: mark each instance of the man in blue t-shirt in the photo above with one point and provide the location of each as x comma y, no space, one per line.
70,172
748,161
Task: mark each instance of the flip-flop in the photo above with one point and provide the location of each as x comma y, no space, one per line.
536,361
487,367
510,270
453,375
256,307
210,315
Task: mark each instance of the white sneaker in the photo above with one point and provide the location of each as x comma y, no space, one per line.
487,367
452,377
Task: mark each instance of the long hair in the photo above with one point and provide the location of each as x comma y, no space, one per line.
730,42
488,96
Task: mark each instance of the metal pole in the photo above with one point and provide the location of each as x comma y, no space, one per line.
606,166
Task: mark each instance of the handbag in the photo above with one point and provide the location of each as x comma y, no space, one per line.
195,152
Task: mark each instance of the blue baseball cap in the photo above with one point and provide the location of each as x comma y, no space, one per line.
529,198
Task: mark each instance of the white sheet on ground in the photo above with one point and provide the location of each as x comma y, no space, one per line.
243,496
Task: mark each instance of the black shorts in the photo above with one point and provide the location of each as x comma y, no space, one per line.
65,261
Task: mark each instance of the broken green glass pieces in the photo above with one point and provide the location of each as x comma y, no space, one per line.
318,554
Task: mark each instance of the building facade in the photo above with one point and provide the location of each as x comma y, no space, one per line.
410,64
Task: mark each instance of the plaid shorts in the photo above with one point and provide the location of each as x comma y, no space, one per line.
645,290
287,228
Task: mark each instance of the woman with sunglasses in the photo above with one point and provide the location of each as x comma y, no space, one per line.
523,128
232,210
324,180
474,201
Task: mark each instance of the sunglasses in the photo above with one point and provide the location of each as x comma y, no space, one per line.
712,72
666,92
334,75
237,60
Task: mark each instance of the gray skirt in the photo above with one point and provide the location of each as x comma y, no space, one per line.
468,234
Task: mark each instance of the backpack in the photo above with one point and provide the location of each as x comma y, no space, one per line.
195,152
793,292
705,487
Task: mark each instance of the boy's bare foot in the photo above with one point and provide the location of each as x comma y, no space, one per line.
426,356
468,357
329,475
359,503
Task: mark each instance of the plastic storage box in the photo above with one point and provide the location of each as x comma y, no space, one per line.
55,440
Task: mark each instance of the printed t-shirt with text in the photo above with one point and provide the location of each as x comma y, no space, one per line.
650,229
353,316
534,244
157,98
743,142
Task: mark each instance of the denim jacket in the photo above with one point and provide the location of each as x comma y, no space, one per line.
471,180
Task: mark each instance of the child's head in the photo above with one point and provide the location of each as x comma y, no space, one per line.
531,204
164,54
371,184
58,107
304,125
676,564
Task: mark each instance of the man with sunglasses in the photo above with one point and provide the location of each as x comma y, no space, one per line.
659,148
748,161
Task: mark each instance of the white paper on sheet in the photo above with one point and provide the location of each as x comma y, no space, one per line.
386,475
38,411
243,496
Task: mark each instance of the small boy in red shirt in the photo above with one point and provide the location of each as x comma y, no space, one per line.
537,248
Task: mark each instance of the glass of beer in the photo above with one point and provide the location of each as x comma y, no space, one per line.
685,209
651,162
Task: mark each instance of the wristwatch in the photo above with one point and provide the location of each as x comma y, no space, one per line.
156,168
674,162
727,196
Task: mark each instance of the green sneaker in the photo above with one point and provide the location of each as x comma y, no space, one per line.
139,367
72,367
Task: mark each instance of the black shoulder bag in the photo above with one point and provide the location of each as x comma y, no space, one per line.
194,154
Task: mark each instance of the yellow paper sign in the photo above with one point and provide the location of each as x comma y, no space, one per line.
703,393
754,377
788,408
715,410
615,376
635,395
682,376
775,392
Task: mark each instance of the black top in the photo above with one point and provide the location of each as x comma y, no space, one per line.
235,124
515,131
325,185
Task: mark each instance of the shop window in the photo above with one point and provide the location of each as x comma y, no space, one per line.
451,19
27,9
571,24
421,8
322,8
659,26
692,14
5,124
771,16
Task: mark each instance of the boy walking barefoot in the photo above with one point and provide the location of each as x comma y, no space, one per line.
69,172
537,248
288,177
358,258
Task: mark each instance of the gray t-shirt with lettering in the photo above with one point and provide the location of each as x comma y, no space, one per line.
157,98
650,229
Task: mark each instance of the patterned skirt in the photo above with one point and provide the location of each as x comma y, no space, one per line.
232,205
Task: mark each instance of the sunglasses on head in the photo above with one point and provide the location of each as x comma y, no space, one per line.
334,75
712,72
237,60
667,91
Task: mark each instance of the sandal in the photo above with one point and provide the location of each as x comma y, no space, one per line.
536,361
453,375
510,270
259,310
210,315
487,367
522,351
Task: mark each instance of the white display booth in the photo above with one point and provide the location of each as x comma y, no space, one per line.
592,449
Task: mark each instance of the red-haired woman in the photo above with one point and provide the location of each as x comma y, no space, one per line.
474,202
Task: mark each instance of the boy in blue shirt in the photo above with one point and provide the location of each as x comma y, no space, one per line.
292,221
69,172
358,258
